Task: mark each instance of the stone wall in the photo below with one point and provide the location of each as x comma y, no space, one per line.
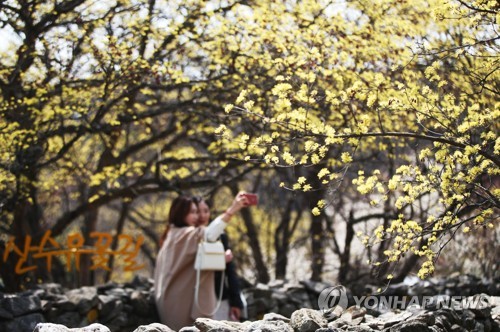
119,307
130,307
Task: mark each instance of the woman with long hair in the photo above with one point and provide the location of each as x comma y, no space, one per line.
174,275
231,306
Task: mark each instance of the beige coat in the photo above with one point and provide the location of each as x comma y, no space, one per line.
175,279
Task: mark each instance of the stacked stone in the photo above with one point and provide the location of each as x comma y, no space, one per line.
278,306
310,320
119,307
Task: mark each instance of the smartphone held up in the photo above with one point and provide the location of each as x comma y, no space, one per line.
252,199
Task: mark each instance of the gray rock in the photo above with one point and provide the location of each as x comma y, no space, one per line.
155,327
51,289
62,302
337,324
140,301
280,296
495,310
70,319
107,303
307,320
4,314
389,319
424,317
447,316
457,328
361,328
141,283
268,326
468,319
443,323
117,292
333,313
272,316
479,327
410,326
21,305
23,323
277,283
118,321
207,324
263,287
84,298
109,307
372,322
355,312
480,305
189,329
50,327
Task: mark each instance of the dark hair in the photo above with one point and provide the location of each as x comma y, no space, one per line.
199,199
180,208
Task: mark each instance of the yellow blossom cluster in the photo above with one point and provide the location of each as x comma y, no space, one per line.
343,91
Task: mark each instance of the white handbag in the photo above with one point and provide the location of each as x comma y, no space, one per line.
211,256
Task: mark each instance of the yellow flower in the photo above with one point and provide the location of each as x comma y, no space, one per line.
323,172
346,157
241,97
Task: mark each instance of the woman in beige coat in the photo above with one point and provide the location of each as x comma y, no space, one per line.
174,275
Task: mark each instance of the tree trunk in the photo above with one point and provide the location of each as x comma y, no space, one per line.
114,244
318,257
86,275
317,230
282,242
346,254
26,221
260,267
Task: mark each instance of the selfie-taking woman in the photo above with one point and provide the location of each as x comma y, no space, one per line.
174,275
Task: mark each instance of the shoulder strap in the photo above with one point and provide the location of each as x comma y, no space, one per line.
196,293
